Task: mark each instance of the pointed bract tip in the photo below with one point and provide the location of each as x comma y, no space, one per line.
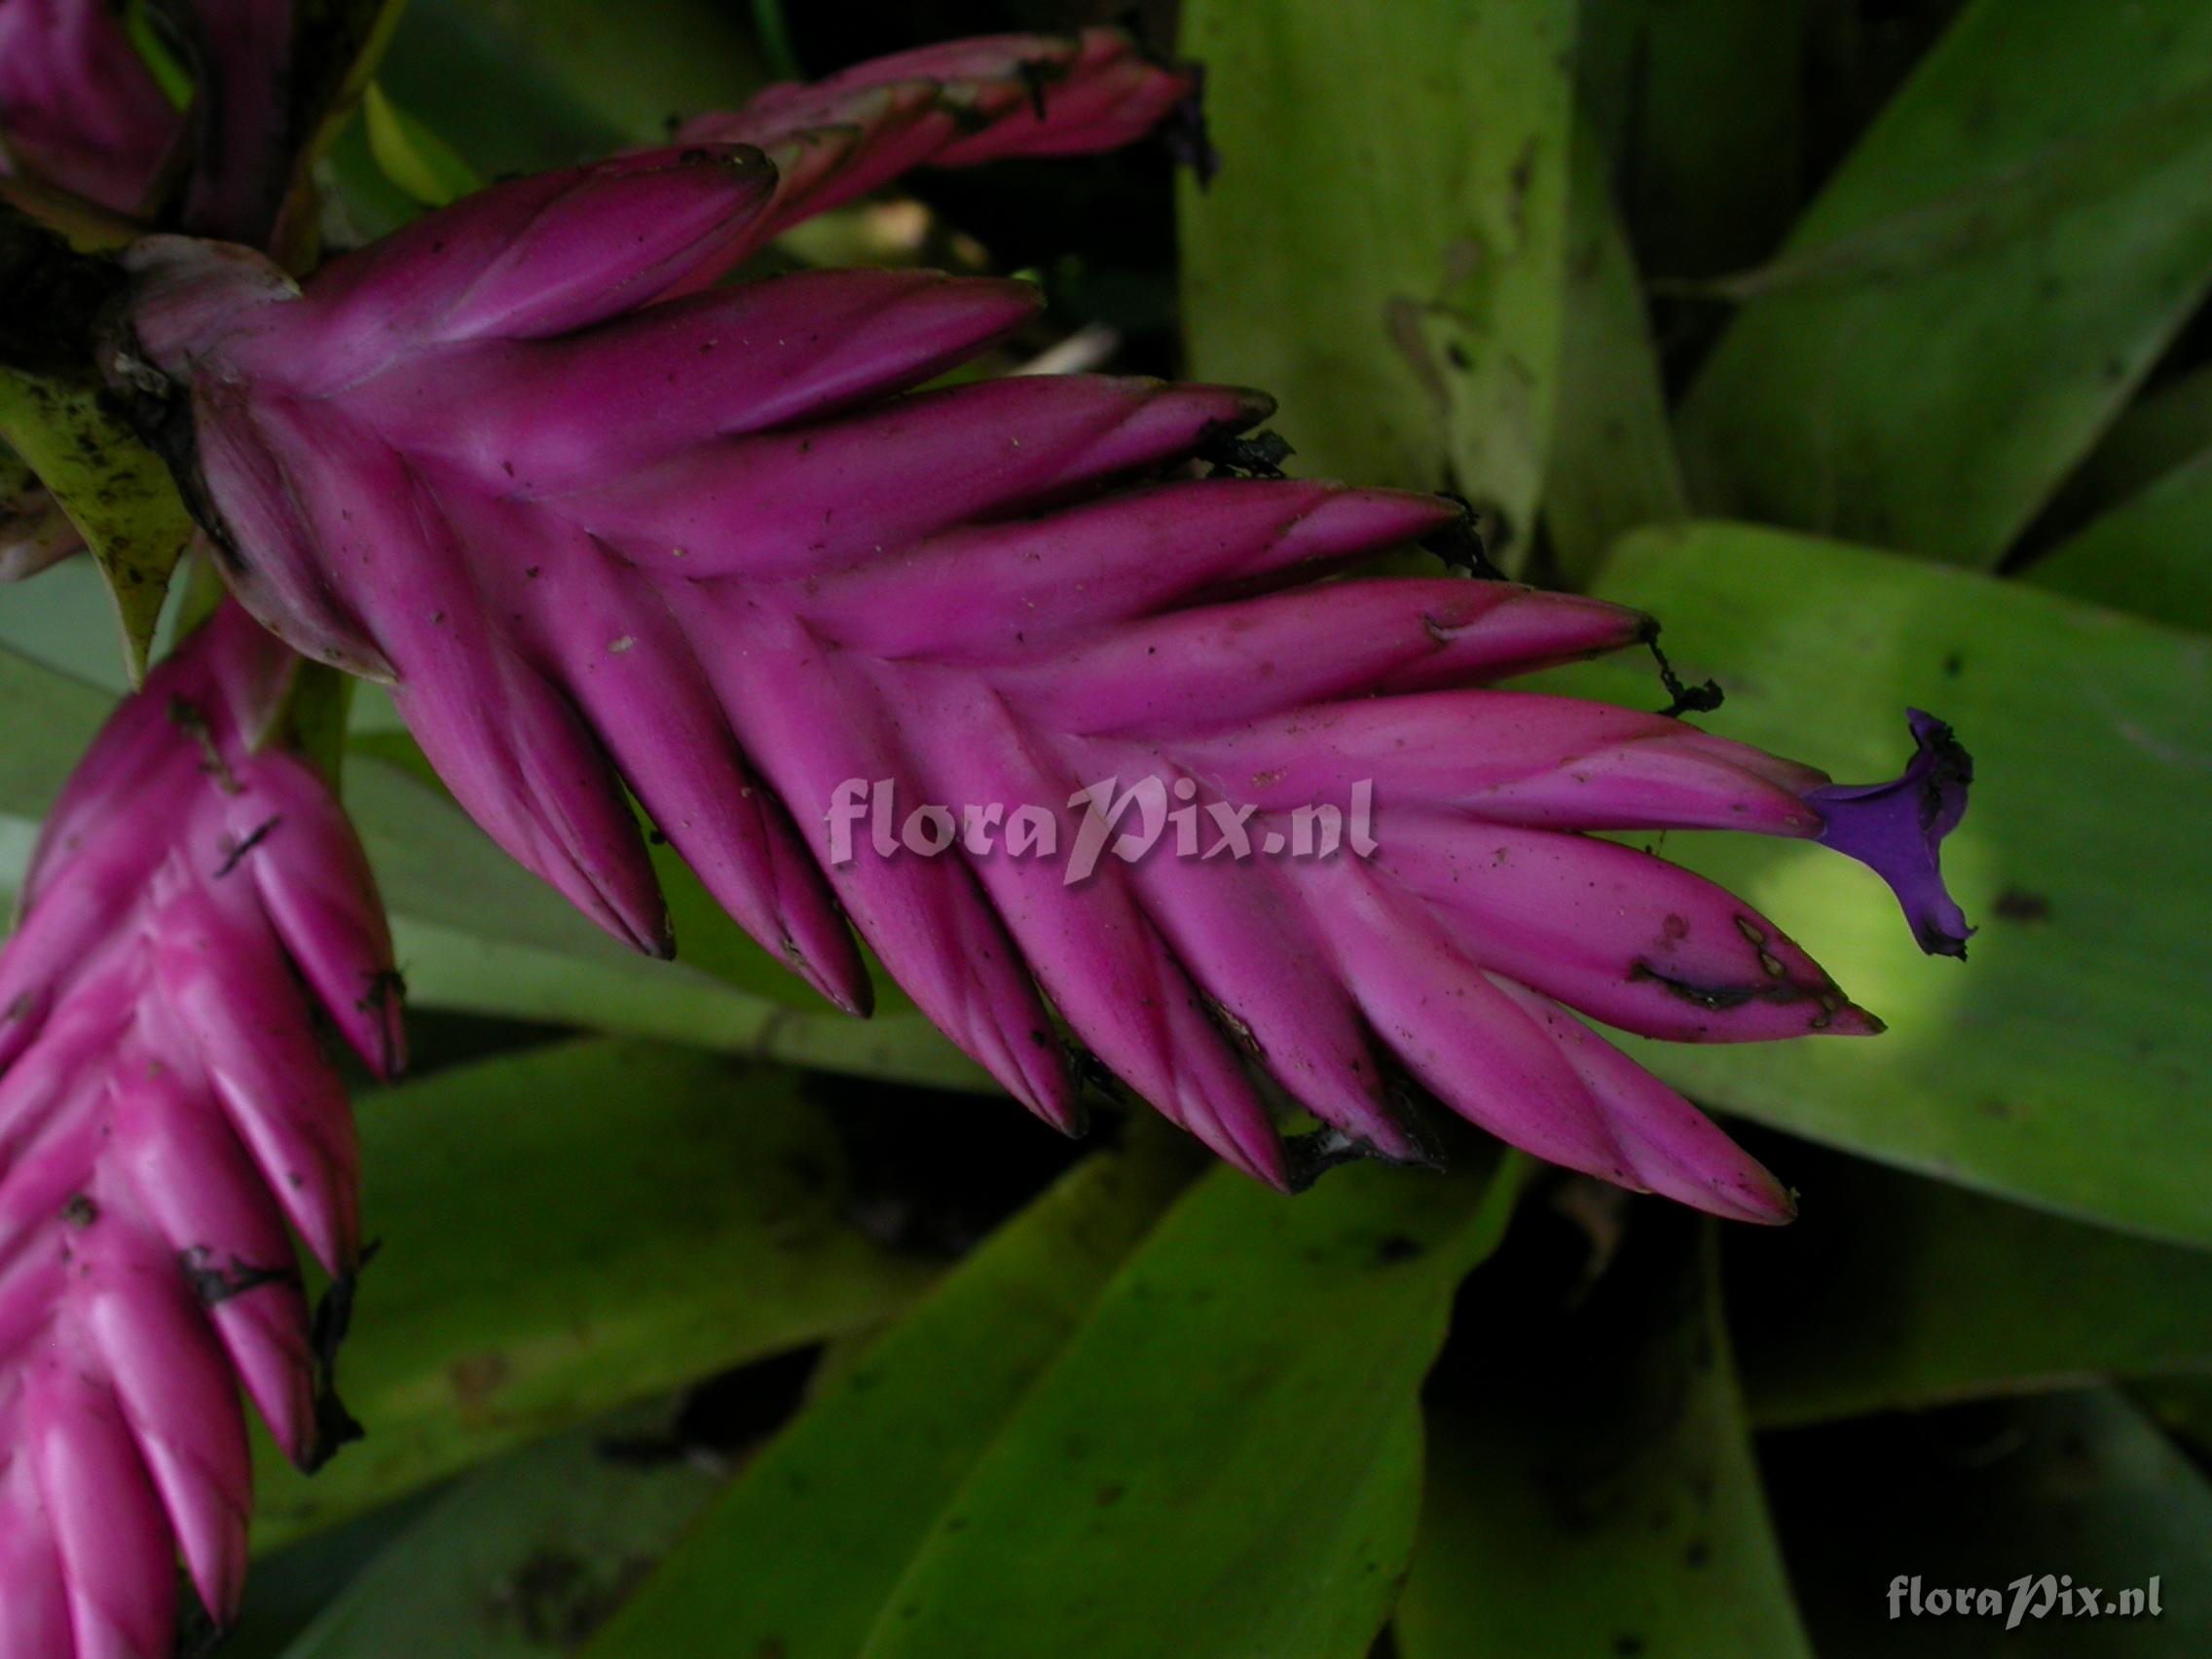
1307,1158
1768,1206
1896,830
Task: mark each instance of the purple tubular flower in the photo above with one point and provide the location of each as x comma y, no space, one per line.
1896,830
165,1110
79,109
600,527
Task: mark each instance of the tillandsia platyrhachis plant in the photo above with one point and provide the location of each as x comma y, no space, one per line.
600,522
166,1109
594,530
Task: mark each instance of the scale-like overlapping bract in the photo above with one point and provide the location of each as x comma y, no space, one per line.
165,1110
717,548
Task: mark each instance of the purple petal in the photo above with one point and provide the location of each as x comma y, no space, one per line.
1896,830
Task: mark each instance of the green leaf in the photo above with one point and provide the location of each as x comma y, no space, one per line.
2066,1065
2158,432
1892,1293
1699,109
524,1555
567,1230
1383,248
114,489
1223,1449
1978,288
411,155
288,1589
1592,1489
2080,1487
812,1538
516,89
2152,554
51,718
1612,457
152,45
65,621
1221,1445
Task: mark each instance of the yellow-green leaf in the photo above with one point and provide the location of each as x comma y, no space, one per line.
567,1230
1978,288
1385,245
412,156
1592,1485
115,491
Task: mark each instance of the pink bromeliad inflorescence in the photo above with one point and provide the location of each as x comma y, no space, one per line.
166,1109
600,522
605,524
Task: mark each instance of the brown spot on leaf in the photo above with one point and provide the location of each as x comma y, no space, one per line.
2020,905
475,1378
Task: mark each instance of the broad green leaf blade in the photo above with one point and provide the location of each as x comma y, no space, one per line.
1384,246
812,1538
1979,287
51,718
567,1230
515,87
525,1555
1895,1293
1612,459
2082,1488
1699,109
1217,1460
2152,554
2065,1066
65,622
1593,1489
114,489
2158,432
288,1589
411,155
